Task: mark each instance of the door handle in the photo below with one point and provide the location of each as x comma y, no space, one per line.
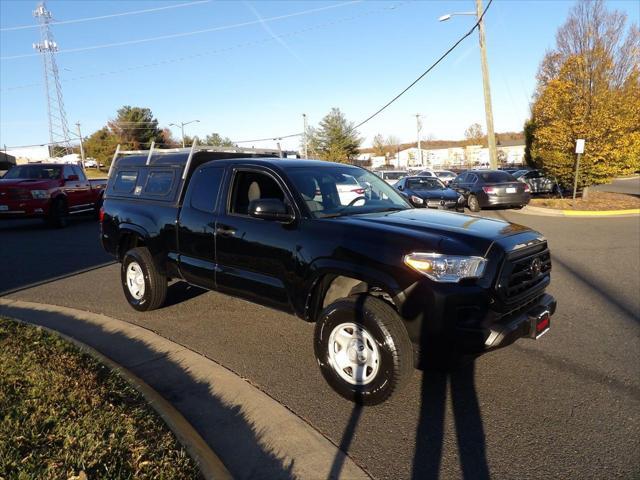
225,231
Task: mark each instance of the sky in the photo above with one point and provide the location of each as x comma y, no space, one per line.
249,70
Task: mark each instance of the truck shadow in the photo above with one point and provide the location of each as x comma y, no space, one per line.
220,420
31,254
468,424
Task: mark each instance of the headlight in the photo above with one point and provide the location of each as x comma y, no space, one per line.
417,200
40,194
445,268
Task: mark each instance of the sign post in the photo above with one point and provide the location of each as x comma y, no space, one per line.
579,151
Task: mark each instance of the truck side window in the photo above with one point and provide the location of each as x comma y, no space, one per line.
68,171
204,188
125,181
159,183
248,186
80,173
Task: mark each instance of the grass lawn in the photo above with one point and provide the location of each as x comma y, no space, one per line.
595,201
95,173
65,416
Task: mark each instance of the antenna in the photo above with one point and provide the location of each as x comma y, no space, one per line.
58,129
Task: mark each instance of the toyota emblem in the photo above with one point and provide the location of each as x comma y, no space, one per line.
535,268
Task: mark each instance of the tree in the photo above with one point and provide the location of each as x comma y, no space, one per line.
101,145
334,139
135,128
588,87
474,134
216,140
379,146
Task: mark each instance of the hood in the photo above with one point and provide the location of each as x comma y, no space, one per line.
27,184
446,194
448,232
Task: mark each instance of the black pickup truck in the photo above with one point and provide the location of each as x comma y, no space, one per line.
389,287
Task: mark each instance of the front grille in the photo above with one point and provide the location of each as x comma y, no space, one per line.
524,272
15,194
439,203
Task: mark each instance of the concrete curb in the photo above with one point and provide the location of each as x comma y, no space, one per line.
252,434
551,212
210,465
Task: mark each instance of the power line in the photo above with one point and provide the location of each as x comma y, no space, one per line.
214,52
102,17
194,32
433,65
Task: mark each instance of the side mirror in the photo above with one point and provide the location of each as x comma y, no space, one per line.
72,178
270,209
400,187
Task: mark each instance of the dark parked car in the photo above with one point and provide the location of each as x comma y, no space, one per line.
386,285
538,182
430,192
491,188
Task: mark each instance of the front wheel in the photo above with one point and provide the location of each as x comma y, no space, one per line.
473,204
363,349
144,287
58,214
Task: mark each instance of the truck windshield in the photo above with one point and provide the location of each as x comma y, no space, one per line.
322,188
34,172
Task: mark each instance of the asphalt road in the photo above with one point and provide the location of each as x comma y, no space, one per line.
630,186
565,406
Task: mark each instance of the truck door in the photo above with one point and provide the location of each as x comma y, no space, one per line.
72,189
196,227
85,195
254,255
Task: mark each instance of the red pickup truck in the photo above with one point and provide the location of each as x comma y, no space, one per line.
49,190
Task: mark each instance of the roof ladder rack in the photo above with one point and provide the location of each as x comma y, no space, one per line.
115,155
186,167
153,144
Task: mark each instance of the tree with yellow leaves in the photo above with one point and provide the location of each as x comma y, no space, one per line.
588,87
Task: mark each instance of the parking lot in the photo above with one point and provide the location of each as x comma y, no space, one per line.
565,406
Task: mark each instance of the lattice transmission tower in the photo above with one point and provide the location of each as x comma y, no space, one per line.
58,129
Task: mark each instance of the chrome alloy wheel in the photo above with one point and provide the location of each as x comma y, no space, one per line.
135,280
353,354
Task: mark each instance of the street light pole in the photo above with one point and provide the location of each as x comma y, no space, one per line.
305,140
182,124
418,128
81,145
491,137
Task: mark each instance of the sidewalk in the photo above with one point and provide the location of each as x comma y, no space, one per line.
253,435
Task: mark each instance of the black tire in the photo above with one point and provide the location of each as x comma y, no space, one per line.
58,214
155,284
384,326
473,204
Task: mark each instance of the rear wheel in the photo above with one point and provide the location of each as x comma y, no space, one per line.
473,204
363,349
144,287
58,214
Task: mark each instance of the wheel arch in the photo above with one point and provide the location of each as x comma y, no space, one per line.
332,284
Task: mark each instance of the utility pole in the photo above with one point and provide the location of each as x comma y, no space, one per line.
491,137
418,128
304,136
81,143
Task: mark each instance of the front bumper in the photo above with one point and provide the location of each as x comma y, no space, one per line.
23,208
531,321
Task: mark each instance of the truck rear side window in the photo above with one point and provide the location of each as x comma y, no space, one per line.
159,183
204,188
125,181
